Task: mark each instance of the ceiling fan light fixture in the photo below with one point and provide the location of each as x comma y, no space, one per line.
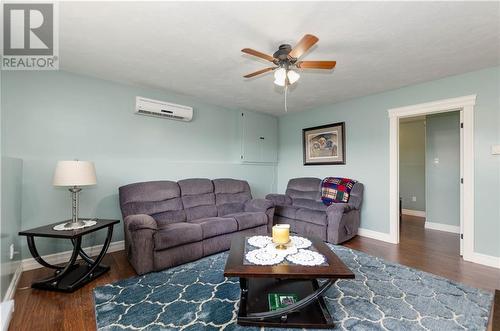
280,77
279,82
293,76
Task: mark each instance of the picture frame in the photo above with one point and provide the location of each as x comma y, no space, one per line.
324,144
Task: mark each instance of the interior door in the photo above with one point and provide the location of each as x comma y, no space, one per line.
461,183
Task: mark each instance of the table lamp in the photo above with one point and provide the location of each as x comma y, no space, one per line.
74,174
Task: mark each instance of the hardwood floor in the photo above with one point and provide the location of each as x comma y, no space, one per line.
429,250
436,252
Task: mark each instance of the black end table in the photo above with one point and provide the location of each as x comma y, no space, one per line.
73,275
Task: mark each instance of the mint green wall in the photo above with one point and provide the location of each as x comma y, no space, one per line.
51,116
443,168
412,164
12,170
367,150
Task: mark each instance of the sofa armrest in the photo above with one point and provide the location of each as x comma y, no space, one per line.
338,208
262,205
140,222
139,241
334,214
279,199
258,205
336,228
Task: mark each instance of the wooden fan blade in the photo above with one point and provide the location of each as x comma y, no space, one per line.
304,44
258,54
259,72
316,64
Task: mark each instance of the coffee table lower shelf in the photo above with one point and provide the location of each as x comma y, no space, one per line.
254,306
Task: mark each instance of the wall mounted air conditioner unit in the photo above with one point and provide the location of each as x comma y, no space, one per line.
156,108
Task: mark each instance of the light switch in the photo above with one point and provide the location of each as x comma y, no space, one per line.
436,160
414,199
495,150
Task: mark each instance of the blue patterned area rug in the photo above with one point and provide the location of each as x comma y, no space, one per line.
384,296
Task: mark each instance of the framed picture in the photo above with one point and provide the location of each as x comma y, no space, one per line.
324,144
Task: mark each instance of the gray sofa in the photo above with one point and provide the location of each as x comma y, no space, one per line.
168,223
302,208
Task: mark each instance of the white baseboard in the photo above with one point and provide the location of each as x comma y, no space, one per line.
442,227
63,257
7,305
382,236
411,212
11,290
487,260
6,310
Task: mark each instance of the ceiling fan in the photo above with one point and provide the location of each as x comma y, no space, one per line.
286,58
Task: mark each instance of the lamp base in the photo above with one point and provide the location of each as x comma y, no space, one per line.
75,224
80,224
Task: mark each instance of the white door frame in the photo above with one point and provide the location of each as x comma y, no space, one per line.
466,106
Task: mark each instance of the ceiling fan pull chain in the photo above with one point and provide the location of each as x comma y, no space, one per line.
286,90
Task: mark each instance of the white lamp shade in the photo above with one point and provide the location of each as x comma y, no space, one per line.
279,83
280,76
74,173
293,76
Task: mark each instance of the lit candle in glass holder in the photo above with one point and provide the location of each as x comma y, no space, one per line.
281,235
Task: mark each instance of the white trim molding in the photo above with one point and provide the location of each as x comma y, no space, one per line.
487,260
7,305
11,290
442,227
6,310
464,104
411,212
63,257
382,236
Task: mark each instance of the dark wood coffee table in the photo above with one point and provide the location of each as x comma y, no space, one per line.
257,281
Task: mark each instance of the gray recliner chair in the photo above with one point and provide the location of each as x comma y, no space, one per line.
302,208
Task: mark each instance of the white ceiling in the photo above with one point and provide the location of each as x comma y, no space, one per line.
194,48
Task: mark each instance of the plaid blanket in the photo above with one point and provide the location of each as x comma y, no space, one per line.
335,189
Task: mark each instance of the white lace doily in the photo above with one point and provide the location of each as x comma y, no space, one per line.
264,256
260,241
306,257
300,242
290,249
62,227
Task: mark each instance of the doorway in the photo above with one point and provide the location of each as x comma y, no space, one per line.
429,181
464,105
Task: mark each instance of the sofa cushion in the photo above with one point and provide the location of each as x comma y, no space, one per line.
286,211
241,197
231,195
205,199
215,226
309,204
168,217
149,198
311,216
247,220
304,188
198,198
229,185
230,208
176,234
195,213
195,186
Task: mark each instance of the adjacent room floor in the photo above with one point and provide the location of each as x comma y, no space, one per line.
433,251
